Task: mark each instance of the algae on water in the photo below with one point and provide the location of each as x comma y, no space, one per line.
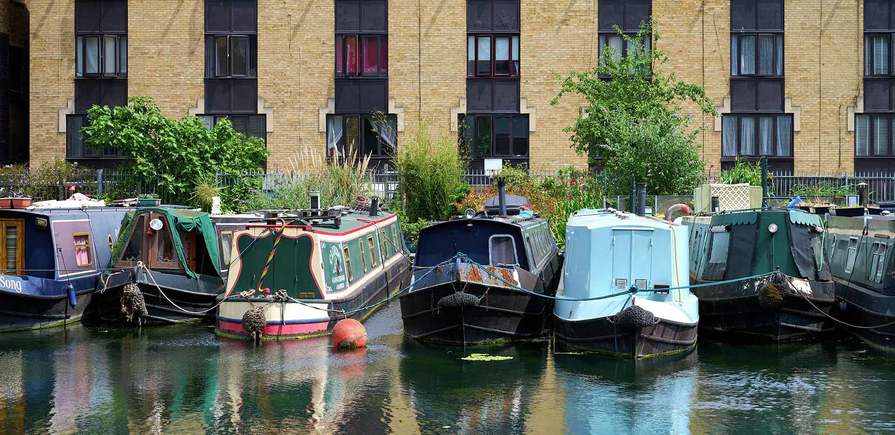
485,357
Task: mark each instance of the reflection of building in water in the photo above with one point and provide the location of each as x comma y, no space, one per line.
548,403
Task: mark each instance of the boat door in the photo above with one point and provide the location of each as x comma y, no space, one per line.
631,258
151,242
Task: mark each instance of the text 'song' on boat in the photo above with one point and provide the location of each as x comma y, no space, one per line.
166,267
295,277
634,270
762,275
478,278
859,251
50,263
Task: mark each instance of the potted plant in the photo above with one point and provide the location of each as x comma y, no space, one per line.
20,201
148,200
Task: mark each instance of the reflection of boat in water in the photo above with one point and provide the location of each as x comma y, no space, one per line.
458,396
609,253
50,262
735,254
298,278
610,395
468,273
859,251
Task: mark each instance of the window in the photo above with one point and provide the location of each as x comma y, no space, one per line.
374,253
83,256
348,269
874,135
363,255
134,250
617,18
231,57
756,54
101,56
386,243
492,56
720,242
361,135
502,250
756,135
12,257
226,247
852,254
249,125
878,54
361,55
495,136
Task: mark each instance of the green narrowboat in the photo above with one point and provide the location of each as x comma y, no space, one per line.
761,274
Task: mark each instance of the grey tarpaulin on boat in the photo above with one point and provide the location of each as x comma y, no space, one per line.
742,248
803,253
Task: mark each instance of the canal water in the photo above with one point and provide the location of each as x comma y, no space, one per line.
183,379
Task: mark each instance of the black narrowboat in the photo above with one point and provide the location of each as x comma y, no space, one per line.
468,274
860,253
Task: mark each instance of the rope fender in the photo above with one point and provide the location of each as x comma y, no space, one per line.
633,318
458,299
132,303
253,322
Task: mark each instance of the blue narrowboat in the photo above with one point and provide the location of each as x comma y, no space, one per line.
50,263
634,268
479,279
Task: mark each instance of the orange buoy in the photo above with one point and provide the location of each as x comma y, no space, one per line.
349,334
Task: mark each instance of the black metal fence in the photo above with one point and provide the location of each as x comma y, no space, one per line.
880,185
46,185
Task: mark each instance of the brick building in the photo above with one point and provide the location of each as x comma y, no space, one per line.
807,82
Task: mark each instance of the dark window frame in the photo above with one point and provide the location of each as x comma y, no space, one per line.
738,37
756,135
81,59
869,61
382,43
381,153
251,60
466,136
515,65
871,137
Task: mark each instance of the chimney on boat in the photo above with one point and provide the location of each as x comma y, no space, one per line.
640,200
502,196
374,206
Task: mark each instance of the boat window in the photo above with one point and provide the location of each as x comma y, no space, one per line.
82,249
881,261
720,242
165,247
502,250
347,263
394,231
12,259
134,250
226,246
852,254
374,255
818,248
363,254
536,256
386,245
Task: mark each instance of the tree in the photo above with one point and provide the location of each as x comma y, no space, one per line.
177,155
633,119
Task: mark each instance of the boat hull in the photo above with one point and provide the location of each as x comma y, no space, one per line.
311,318
22,313
501,314
865,308
747,311
195,298
603,336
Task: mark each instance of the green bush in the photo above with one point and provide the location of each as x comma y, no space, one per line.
177,155
431,177
742,172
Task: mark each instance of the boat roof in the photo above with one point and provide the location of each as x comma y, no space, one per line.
348,221
600,218
65,211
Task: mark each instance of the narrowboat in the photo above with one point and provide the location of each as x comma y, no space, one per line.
166,268
478,279
50,263
297,276
761,275
859,250
610,253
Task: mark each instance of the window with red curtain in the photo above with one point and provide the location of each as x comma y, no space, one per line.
361,55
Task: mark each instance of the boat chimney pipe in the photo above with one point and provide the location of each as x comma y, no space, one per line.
862,194
374,206
502,196
640,200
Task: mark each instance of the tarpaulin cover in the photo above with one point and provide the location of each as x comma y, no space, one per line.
183,221
741,218
803,253
742,248
800,217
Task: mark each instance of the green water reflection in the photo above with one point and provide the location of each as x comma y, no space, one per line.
186,380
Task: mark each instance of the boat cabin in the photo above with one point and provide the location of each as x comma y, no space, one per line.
169,239
860,250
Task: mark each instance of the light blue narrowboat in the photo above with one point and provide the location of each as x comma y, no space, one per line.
50,263
643,262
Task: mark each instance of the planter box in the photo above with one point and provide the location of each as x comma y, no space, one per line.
148,202
5,202
20,202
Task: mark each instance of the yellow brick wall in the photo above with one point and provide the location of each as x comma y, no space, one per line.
427,63
52,71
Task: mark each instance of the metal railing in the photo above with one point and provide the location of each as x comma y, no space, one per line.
880,185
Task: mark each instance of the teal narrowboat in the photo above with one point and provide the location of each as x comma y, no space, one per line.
762,274
859,250
635,270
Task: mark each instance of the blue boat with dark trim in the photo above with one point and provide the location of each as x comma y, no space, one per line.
50,263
